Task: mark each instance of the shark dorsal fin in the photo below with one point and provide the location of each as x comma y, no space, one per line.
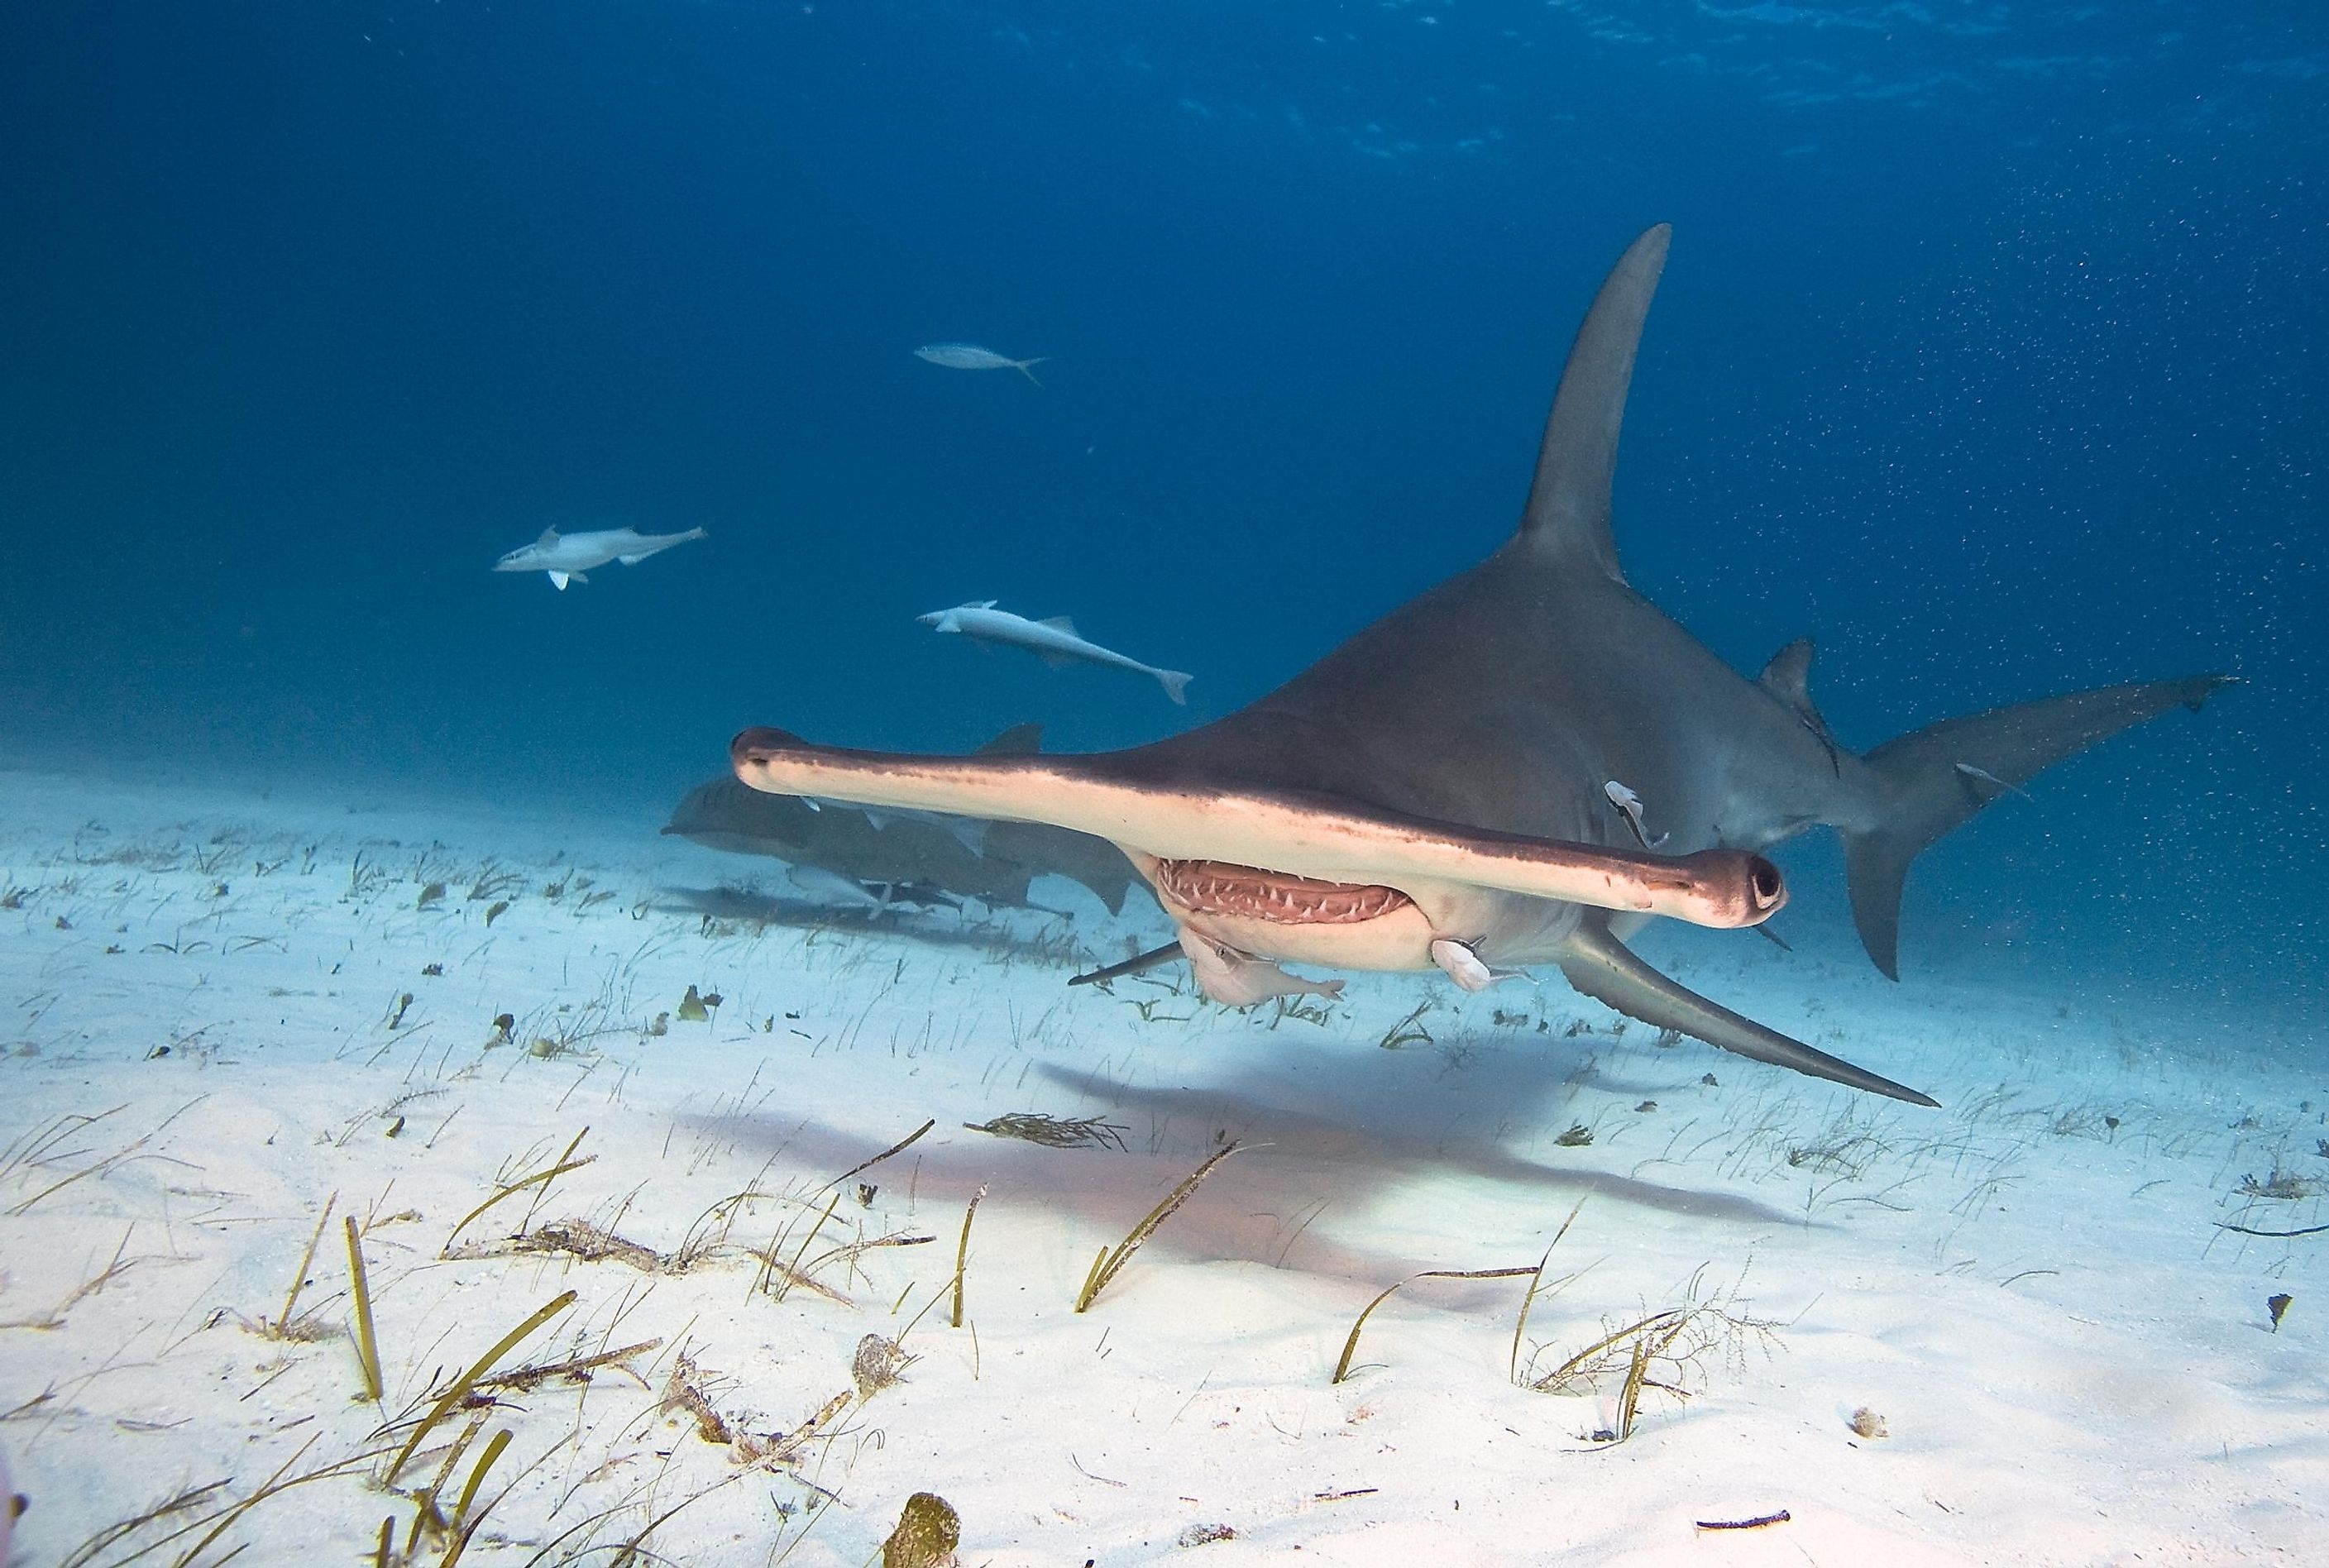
548,537
1018,740
1061,623
1568,513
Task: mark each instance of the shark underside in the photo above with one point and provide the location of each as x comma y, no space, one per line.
1519,767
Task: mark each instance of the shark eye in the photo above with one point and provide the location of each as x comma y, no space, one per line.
1764,882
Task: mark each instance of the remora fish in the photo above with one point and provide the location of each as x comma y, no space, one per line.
1433,791
1055,641
970,356
832,887
567,556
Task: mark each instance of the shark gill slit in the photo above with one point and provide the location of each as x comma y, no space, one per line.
1215,887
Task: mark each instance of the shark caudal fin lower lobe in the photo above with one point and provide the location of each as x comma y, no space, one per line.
1936,778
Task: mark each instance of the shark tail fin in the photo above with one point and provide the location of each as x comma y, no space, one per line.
1023,366
1176,685
1936,778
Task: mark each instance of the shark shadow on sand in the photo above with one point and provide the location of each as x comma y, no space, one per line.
1341,1152
928,920
1520,766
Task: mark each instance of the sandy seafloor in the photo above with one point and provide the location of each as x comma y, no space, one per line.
205,1046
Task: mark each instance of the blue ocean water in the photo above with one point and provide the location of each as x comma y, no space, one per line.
1992,353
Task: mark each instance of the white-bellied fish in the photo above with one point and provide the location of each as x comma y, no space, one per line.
970,356
567,556
1055,641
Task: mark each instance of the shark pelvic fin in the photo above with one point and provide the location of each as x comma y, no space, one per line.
1934,780
1607,970
1568,512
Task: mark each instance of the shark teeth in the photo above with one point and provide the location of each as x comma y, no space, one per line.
1217,888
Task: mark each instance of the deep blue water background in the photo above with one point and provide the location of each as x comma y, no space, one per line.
1993,350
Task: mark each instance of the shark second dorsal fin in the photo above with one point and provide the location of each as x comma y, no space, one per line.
1018,740
1789,678
1568,512
1061,623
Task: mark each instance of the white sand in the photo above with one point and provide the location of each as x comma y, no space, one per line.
2072,1363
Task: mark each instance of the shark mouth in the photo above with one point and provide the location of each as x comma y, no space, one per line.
1213,887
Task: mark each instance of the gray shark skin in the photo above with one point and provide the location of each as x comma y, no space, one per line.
1437,791
904,852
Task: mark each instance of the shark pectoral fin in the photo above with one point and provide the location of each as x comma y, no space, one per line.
559,579
1607,970
1237,980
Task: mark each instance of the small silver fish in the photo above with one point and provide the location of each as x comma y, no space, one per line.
1054,640
970,356
567,556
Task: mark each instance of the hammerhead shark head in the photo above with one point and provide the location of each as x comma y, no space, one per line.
993,862
1479,779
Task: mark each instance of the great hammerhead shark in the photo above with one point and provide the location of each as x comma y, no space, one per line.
1520,766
